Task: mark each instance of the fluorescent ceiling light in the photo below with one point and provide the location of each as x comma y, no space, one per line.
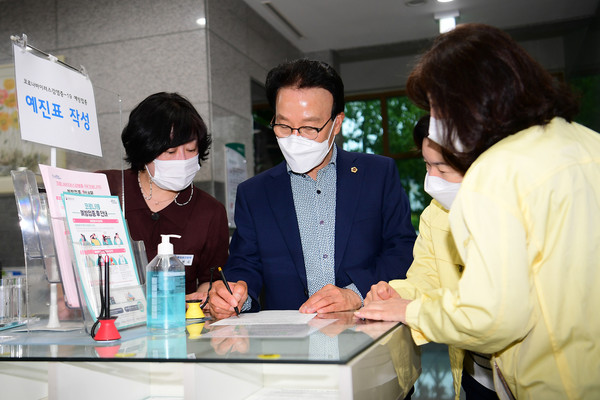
447,24
447,20
201,21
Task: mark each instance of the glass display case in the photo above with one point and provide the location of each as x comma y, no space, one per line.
334,356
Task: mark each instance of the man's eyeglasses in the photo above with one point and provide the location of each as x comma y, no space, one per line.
309,132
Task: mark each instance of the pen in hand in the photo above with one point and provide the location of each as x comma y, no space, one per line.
237,311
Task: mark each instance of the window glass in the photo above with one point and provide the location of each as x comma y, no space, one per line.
402,116
383,125
362,128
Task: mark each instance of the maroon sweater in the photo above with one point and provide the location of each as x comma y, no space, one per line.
202,224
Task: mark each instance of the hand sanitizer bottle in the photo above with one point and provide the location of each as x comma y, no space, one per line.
165,289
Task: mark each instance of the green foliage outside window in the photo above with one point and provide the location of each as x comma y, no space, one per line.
384,125
362,127
402,117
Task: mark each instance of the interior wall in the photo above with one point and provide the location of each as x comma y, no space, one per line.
571,48
131,49
135,48
242,48
391,73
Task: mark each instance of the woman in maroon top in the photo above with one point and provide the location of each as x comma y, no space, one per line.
165,143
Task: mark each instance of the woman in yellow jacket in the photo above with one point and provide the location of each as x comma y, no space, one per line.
437,263
525,220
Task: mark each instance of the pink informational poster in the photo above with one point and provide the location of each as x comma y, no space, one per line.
58,181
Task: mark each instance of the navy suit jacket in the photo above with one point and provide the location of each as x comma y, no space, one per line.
374,235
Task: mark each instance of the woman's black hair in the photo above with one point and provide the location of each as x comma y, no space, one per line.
160,122
421,131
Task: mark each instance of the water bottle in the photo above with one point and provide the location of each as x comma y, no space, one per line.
165,289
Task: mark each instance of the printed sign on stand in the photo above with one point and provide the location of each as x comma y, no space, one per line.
56,104
98,229
58,181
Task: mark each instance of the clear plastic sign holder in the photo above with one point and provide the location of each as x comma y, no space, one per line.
43,285
43,302
88,274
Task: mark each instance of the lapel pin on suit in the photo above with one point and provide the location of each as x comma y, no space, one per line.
353,170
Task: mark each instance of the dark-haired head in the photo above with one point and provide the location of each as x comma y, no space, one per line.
306,74
160,122
485,87
421,131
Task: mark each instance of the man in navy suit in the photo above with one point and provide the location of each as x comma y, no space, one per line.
316,231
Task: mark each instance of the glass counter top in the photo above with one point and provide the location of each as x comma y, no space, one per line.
328,338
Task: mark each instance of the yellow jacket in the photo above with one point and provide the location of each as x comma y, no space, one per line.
526,223
436,265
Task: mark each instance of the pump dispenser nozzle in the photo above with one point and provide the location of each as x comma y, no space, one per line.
166,247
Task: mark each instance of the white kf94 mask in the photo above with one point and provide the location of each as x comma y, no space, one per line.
441,190
303,154
174,175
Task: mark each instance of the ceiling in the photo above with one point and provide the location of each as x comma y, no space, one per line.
352,27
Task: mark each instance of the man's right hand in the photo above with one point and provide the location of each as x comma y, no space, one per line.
222,302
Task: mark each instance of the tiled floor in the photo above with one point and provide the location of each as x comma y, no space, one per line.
435,382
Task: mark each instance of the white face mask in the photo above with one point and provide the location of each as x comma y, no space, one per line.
438,133
174,175
441,190
303,154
